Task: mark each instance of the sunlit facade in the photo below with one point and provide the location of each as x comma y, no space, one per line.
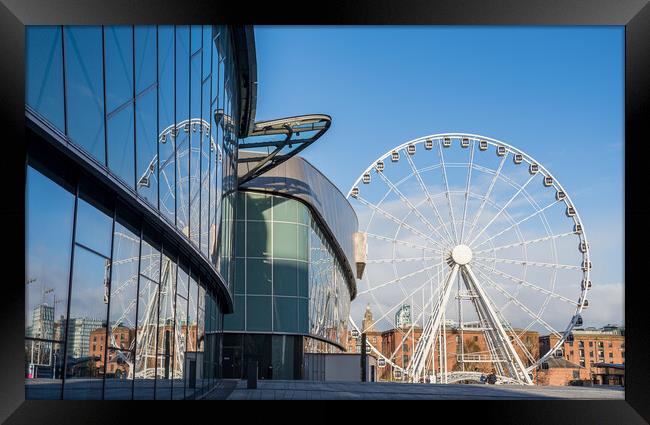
132,135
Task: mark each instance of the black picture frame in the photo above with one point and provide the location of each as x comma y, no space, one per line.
633,14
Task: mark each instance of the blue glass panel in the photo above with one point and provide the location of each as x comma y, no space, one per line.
195,152
197,37
120,145
167,142
205,169
146,146
145,57
44,73
119,65
183,127
49,212
85,88
235,321
93,228
207,51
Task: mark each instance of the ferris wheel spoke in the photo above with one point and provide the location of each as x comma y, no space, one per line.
467,191
519,304
495,178
398,260
429,198
406,276
536,213
397,220
532,263
444,175
401,242
512,198
526,283
528,242
399,304
408,203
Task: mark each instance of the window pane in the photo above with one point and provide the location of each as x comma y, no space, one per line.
303,279
167,141
205,169
50,210
87,326
285,314
258,207
146,137
166,329
44,73
124,282
285,277
285,209
258,276
119,375
235,321
258,313
191,358
258,241
195,152
145,57
197,37
85,88
285,240
180,333
118,41
183,127
93,228
207,50
120,145
43,361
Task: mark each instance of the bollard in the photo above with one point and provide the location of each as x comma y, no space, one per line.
252,375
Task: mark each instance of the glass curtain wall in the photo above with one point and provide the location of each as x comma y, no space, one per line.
288,279
110,313
157,107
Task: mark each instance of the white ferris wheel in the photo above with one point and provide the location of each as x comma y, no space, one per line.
479,244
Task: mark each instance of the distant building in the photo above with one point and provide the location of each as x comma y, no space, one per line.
588,347
42,322
79,330
403,316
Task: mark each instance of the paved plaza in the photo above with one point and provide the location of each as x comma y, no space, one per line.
316,390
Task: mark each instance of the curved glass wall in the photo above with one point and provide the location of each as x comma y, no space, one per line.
288,279
141,101
110,312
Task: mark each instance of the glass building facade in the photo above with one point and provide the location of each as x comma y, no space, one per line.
130,229
291,294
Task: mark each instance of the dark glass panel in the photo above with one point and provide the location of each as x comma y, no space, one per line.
258,313
180,333
258,276
85,88
236,321
285,314
118,45
44,73
119,375
285,277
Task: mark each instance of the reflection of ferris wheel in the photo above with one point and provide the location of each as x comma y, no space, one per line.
175,172
482,248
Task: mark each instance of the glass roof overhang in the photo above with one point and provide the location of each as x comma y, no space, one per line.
275,141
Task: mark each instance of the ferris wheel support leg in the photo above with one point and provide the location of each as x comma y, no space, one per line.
428,338
496,324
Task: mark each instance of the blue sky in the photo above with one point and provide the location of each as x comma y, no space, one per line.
556,93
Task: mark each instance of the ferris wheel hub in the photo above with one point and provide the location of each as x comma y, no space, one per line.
461,254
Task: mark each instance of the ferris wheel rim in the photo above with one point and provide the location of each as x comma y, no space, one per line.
544,171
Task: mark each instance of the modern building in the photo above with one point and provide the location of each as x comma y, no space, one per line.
152,232
132,141
294,269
